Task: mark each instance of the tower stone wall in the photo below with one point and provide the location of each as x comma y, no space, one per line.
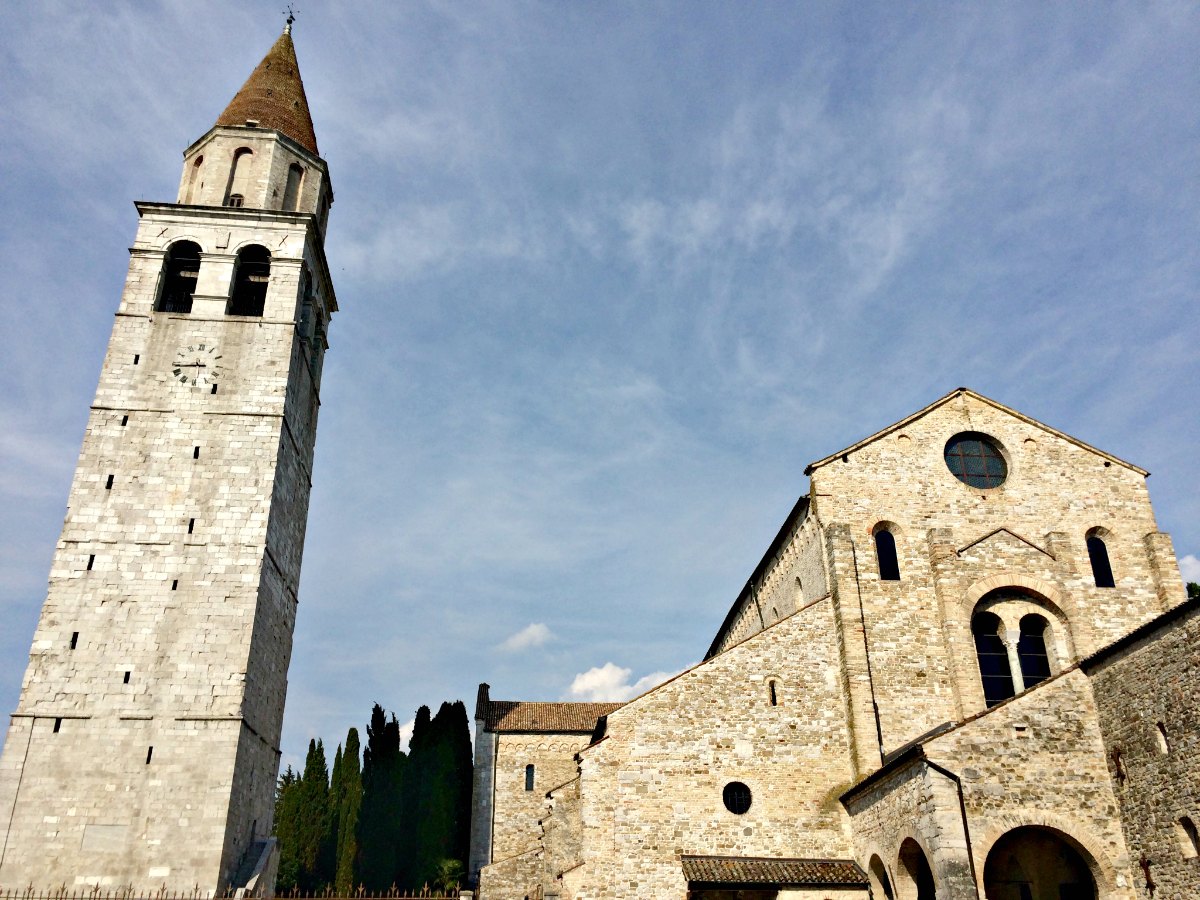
145,747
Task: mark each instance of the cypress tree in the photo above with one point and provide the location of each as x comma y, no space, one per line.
348,795
437,796
314,828
287,817
382,779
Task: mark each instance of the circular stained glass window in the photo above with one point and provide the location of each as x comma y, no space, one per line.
737,797
975,459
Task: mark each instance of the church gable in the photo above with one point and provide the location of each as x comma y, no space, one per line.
969,396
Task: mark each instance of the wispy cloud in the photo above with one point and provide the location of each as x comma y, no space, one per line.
533,635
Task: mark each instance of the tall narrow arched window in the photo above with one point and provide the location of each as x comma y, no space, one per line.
1031,650
250,279
529,777
239,177
885,553
291,193
180,271
1098,554
1189,839
994,670
193,180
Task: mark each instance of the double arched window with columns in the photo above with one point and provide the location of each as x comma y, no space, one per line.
1016,646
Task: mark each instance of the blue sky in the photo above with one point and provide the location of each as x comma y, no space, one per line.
610,276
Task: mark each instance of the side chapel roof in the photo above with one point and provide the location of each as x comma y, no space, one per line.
755,870
539,717
273,96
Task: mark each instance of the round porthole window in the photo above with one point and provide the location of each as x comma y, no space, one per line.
975,459
737,797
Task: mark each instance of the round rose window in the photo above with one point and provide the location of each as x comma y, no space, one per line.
975,459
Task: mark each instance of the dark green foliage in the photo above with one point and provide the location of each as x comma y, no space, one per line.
380,815
314,830
347,798
402,819
1193,590
287,816
450,874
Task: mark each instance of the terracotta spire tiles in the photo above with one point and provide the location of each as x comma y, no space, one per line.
273,97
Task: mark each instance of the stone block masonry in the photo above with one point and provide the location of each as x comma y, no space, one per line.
145,748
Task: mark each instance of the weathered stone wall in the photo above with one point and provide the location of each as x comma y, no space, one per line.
1156,682
652,789
561,839
518,811
172,595
1039,760
513,877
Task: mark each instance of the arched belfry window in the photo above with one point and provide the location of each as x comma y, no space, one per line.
529,778
291,192
180,271
885,554
250,279
994,670
1098,554
239,177
1031,650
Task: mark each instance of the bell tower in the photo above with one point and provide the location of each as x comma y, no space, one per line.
144,749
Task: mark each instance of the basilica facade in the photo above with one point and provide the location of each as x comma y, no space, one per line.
964,668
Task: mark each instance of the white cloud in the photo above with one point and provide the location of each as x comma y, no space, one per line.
610,682
532,635
406,731
1189,567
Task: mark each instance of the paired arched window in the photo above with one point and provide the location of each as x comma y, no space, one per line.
291,192
885,554
994,668
1098,554
180,271
1014,653
250,279
239,177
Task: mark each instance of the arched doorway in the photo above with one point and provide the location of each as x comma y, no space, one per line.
915,880
1031,863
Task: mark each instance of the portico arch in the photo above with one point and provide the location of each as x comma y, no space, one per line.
914,875
1102,868
1037,863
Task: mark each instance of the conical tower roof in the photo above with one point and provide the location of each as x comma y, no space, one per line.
273,96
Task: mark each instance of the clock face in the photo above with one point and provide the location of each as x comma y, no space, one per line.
197,365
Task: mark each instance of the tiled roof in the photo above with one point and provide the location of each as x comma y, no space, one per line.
515,715
733,870
273,96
